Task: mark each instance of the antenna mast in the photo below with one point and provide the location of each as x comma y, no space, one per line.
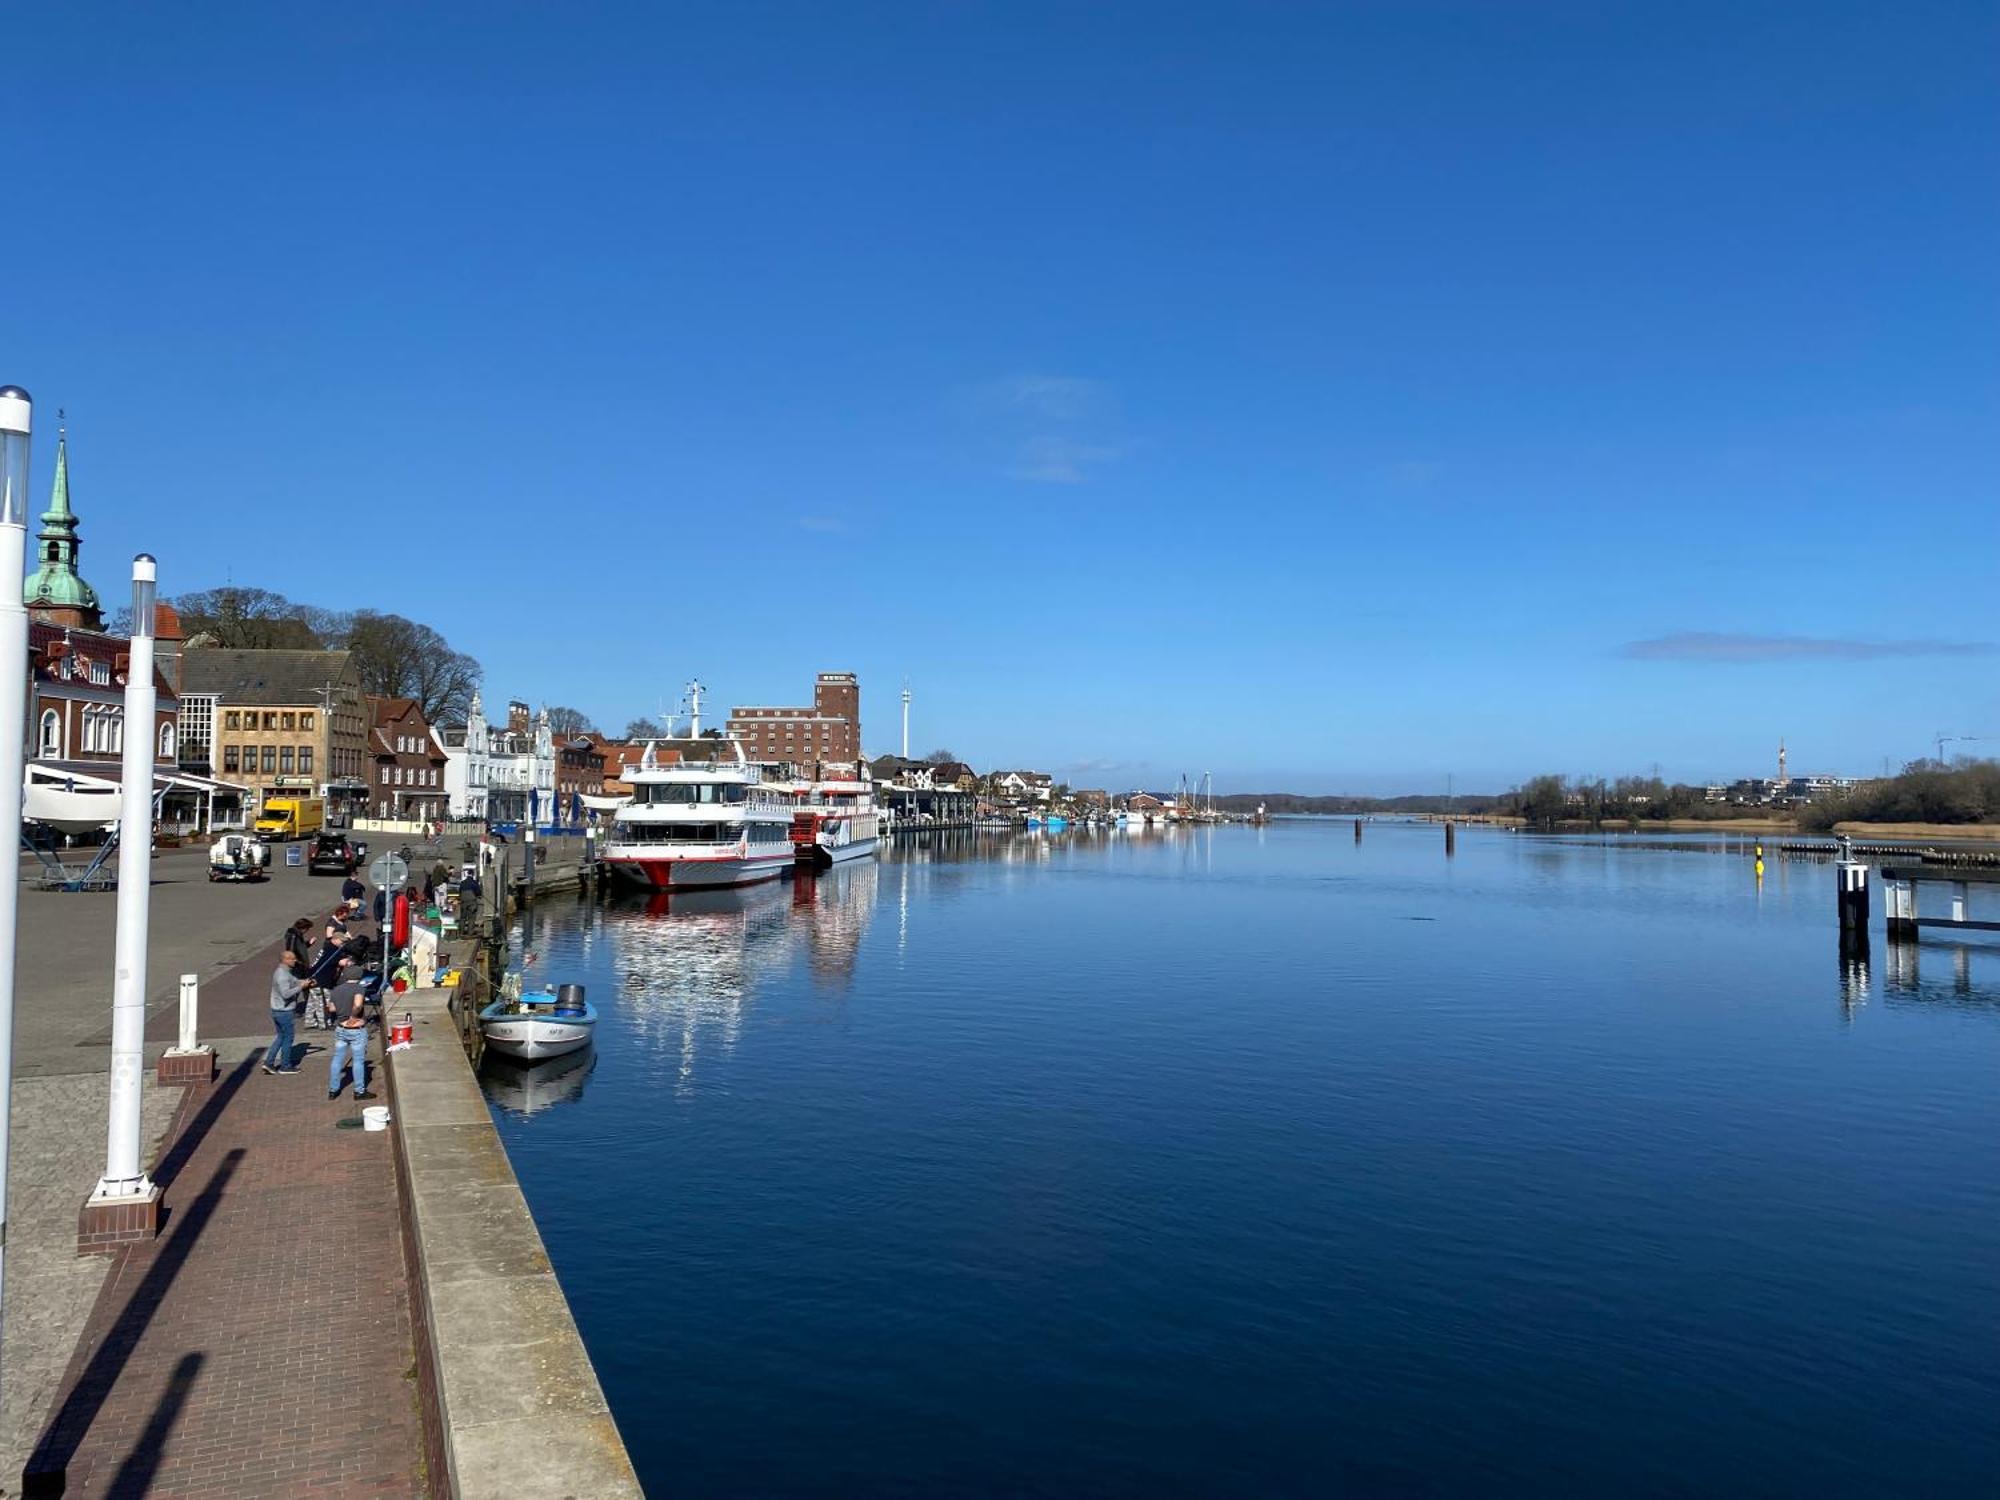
906,718
695,690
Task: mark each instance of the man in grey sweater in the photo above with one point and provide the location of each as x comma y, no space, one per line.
286,986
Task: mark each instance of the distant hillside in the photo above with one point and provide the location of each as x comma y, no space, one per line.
1292,802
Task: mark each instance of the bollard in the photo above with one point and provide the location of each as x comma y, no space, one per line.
1450,841
187,1061
1357,830
190,999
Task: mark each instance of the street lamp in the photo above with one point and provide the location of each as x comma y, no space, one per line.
16,422
124,1181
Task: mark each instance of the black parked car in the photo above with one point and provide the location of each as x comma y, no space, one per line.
331,855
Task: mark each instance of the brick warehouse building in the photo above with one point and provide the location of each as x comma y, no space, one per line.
828,731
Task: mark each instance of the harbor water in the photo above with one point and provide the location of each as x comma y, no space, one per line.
1265,1161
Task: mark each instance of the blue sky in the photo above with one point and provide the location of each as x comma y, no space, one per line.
1333,397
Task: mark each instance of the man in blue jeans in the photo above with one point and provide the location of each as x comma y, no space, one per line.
286,987
350,1041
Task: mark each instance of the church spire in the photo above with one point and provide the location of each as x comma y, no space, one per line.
55,591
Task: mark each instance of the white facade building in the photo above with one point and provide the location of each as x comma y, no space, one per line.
467,770
499,772
521,768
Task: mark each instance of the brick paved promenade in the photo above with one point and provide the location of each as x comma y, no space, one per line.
261,1346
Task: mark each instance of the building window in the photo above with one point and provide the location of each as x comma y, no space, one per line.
305,760
100,673
285,760
114,724
51,734
305,721
229,759
232,720
269,757
270,721
166,742
287,721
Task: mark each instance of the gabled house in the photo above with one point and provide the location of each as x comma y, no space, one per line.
407,764
954,774
1035,786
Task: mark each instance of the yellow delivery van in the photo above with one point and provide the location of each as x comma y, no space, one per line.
292,817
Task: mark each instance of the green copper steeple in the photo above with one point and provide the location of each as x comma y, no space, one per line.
56,588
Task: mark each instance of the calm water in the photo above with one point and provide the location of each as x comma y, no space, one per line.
1250,1161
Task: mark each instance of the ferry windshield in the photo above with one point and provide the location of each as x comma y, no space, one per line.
691,791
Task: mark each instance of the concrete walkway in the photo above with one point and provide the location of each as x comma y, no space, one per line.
262,1345
62,1062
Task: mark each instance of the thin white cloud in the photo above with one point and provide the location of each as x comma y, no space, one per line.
1094,766
1048,429
1414,473
1717,646
1055,398
1057,460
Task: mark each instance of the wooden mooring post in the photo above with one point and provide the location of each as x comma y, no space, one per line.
1450,840
1357,830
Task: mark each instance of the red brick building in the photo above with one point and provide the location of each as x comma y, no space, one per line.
406,764
828,731
579,770
76,709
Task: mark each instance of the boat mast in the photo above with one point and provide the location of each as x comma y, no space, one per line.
694,714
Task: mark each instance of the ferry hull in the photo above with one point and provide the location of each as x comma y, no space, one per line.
661,873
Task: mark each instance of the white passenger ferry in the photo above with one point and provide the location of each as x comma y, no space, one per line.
834,817
700,816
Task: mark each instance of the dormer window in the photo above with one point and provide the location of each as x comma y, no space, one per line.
100,673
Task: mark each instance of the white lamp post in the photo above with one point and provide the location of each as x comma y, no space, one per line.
124,1180
16,422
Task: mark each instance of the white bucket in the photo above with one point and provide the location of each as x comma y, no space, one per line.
375,1117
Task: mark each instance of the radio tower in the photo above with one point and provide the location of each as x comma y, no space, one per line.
1782,778
906,718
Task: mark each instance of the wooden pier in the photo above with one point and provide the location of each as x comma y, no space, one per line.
1900,898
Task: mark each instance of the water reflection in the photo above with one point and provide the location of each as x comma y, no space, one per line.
1853,981
1915,972
830,912
680,971
522,1088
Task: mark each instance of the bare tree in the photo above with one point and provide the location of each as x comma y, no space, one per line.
644,729
253,619
566,723
939,758
400,658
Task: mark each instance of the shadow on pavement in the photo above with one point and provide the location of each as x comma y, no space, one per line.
47,1471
